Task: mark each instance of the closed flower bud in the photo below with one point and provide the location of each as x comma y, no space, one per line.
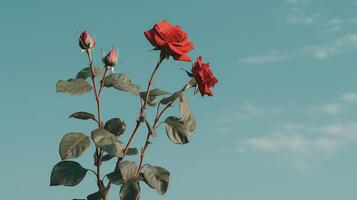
86,41
111,59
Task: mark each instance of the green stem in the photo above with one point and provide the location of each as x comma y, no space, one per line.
157,119
142,110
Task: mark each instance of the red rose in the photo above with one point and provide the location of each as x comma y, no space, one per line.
111,58
171,40
86,41
204,77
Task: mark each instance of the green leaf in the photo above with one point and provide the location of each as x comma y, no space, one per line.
115,177
82,115
73,86
152,99
97,195
153,94
171,98
186,114
126,172
115,126
67,173
85,73
130,190
132,151
177,130
73,145
107,157
121,82
107,142
158,92
157,177
151,129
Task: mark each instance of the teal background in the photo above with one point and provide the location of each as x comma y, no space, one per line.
282,124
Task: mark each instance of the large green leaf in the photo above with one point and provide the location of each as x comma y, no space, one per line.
157,178
121,82
85,73
73,86
67,173
126,172
82,115
177,130
130,190
73,145
128,169
115,177
115,126
186,114
107,142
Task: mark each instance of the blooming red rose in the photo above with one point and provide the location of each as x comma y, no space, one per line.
86,41
171,40
204,77
111,58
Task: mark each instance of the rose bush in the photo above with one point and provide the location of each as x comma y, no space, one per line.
107,136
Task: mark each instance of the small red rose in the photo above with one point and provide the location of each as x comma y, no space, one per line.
86,41
204,77
171,40
111,59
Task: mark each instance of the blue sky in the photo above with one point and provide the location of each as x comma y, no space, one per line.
282,124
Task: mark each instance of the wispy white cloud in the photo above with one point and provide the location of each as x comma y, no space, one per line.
334,24
342,130
318,51
247,110
298,1
271,57
341,104
294,143
298,145
300,16
330,108
350,97
301,143
337,46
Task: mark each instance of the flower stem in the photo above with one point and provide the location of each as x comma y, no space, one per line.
142,110
157,119
98,153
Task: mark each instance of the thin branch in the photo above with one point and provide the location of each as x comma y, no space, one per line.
157,119
98,154
142,109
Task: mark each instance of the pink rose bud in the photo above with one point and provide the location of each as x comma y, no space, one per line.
86,41
111,58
